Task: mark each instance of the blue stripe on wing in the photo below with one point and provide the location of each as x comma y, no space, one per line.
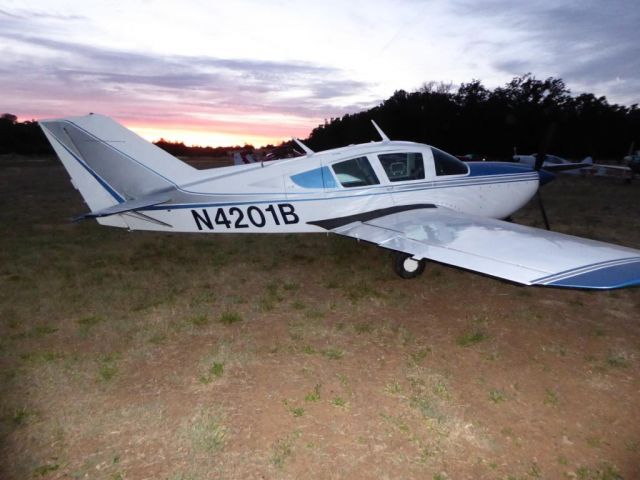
605,277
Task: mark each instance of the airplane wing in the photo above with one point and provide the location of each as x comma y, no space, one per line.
501,249
561,167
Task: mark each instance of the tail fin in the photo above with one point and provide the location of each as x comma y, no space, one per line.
587,160
110,164
240,158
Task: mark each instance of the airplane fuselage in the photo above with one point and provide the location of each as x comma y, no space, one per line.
293,195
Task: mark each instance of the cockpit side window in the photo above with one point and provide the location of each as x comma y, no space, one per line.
401,167
356,172
447,164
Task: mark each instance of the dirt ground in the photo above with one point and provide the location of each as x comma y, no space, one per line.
140,355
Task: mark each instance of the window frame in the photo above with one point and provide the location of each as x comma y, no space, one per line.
435,170
372,165
425,172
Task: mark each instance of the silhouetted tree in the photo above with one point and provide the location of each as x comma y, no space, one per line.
494,122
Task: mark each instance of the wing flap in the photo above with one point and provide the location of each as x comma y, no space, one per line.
501,249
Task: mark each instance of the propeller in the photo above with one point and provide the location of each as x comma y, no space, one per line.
540,156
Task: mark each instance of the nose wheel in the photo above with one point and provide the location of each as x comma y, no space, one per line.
406,266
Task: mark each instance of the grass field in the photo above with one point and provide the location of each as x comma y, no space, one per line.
135,355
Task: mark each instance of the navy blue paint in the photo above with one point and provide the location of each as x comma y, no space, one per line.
617,276
478,169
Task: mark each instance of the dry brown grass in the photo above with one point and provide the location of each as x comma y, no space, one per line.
137,355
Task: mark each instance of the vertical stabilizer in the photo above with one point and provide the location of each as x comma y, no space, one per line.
110,164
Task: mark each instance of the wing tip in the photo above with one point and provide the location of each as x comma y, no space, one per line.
606,277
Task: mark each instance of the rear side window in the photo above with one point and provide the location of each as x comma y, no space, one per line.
401,167
356,172
447,164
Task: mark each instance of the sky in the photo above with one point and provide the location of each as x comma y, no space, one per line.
213,72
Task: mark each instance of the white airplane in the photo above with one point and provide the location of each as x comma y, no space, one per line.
585,168
240,158
411,198
554,162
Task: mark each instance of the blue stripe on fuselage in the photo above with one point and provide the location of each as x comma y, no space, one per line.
481,169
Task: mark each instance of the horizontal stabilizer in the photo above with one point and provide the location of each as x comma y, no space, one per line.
127,206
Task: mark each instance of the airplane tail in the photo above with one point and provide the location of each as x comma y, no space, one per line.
110,165
240,158
587,160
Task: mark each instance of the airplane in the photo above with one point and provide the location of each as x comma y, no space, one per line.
633,160
413,199
242,158
585,168
553,162
275,153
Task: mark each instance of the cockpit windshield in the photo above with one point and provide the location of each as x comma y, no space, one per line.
447,164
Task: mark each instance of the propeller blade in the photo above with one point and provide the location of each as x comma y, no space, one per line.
544,145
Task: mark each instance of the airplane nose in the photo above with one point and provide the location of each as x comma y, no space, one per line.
545,176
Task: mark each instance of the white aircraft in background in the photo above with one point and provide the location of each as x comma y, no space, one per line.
584,168
553,161
411,198
276,153
241,158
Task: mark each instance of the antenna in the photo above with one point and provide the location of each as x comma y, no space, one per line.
306,149
380,132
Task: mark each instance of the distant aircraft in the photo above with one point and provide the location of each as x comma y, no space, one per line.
585,168
276,153
242,158
411,198
633,160
553,161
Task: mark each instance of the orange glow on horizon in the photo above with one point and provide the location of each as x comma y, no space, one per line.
223,130
201,138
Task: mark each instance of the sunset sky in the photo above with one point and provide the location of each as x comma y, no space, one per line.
224,73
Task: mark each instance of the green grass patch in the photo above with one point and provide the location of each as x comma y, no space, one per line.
551,397
20,417
497,396
298,305
314,396
295,411
199,320
333,353
617,359
419,356
604,471
283,449
228,318
471,338
363,328
108,368
44,470
207,432
338,402
87,323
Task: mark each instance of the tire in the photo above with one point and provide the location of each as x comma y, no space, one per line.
406,266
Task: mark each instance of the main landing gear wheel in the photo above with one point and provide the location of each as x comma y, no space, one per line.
406,266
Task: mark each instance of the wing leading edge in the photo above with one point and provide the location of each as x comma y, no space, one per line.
501,249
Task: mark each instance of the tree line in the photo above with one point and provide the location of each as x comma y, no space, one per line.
526,114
